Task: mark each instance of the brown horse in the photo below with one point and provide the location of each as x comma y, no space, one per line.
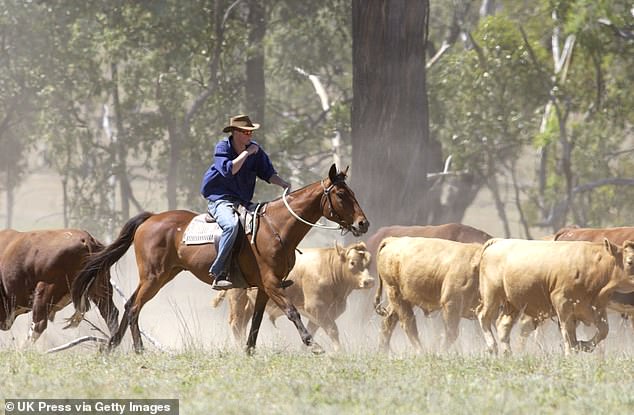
37,269
161,255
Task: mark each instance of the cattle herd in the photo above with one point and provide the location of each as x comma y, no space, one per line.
572,277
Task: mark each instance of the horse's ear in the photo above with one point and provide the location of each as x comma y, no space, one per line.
332,174
345,172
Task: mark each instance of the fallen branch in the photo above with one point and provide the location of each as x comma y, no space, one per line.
76,342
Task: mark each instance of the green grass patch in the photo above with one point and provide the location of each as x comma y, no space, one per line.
229,382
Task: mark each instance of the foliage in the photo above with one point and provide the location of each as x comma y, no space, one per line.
64,62
484,105
487,109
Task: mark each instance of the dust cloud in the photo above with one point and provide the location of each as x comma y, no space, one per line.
180,316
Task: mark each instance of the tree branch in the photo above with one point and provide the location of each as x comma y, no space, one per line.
614,181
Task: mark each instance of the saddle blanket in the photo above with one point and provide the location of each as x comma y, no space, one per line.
200,232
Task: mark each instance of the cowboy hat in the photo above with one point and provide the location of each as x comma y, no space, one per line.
242,122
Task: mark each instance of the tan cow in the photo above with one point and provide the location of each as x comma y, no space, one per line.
433,274
570,280
323,278
450,231
621,302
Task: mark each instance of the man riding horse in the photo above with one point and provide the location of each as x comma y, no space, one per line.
230,182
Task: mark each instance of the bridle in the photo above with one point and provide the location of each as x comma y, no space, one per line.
326,196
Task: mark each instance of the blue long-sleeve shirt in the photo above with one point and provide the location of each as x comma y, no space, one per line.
218,181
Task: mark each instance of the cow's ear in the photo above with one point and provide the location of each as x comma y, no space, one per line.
610,247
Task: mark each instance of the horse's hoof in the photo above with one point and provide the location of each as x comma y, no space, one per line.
316,349
250,351
286,283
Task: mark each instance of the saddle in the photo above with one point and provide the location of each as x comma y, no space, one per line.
203,229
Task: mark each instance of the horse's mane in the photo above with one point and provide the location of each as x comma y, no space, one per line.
339,178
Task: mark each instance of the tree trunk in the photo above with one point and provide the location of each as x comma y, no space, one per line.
121,169
255,93
390,125
10,196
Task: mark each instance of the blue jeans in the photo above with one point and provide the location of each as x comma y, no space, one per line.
227,218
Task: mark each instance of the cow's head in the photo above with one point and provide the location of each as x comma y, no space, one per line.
624,257
628,257
356,260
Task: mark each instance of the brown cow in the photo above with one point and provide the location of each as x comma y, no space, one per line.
37,269
570,280
431,273
323,278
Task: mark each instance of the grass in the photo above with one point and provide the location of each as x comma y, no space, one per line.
272,382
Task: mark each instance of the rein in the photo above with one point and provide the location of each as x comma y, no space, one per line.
296,216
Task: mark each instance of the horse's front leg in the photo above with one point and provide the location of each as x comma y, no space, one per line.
276,293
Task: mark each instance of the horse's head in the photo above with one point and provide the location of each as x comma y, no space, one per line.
339,204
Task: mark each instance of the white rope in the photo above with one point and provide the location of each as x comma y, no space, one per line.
314,225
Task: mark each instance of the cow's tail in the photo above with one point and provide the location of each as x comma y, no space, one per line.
477,258
100,263
219,298
378,307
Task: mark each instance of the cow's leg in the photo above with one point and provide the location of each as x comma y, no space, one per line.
331,329
504,326
326,320
601,321
451,312
42,299
239,313
567,323
387,328
276,293
487,312
528,325
406,317
8,310
312,327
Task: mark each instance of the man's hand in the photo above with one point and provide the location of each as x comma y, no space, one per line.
275,179
252,148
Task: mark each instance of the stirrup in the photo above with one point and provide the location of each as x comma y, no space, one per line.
221,285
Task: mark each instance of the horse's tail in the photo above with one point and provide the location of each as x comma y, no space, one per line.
380,309
100,262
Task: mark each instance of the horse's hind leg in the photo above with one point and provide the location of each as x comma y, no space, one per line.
117,336
146,290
